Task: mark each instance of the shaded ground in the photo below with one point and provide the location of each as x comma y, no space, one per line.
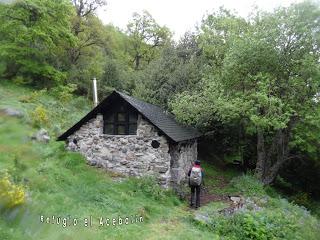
209,192
207,197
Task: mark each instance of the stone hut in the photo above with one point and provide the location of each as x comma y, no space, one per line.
128,136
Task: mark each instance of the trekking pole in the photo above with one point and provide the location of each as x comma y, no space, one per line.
204,189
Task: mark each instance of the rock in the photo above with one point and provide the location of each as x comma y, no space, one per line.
72,146
202,217
105,153
12,112
137,147
241,204
99,165
41,136
130,157
235,199
92,163
161,169
124,150
116,159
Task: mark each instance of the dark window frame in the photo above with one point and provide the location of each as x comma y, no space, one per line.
115,123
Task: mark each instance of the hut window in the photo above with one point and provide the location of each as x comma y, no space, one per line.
121,123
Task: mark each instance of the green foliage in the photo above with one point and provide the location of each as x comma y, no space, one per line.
259,74
306,134
117,75
29,41
146,36
19,80
149,186
40,116
72,160
302,199
252,80
248,185
33,97
176,70
279,220
64,93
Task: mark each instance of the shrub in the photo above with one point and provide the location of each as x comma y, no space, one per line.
248,185
17,169
80,103
279,220
19,80
150,187
33,97
11,195
64,93
39,116
302,198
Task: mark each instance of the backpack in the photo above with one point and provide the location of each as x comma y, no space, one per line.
195,176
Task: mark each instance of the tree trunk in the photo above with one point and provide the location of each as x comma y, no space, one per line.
266,169
261,155
137,62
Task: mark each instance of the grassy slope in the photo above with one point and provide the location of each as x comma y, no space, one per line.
59,183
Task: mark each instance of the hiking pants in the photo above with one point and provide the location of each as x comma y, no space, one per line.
195,193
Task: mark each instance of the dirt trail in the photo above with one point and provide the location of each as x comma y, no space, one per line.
206,197
207,194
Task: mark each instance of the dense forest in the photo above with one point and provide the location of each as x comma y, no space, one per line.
250,85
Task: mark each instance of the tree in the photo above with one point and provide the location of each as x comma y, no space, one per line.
30,42
265,77
146,37
178,68
86,56
86,27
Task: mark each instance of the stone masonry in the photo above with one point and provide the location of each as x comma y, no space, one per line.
133,155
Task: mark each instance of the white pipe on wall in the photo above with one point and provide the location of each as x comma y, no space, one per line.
95,93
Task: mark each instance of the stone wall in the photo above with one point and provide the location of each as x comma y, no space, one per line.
130,155
182,156
133,155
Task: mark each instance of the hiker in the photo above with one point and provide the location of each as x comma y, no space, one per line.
196,175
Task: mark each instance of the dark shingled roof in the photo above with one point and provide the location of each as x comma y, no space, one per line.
157,116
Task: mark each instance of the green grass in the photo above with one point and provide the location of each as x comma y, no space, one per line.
60,183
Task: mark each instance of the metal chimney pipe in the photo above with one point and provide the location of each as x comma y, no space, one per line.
95,93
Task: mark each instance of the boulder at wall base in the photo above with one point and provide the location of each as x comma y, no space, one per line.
41,136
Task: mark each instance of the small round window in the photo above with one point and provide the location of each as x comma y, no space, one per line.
155,144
